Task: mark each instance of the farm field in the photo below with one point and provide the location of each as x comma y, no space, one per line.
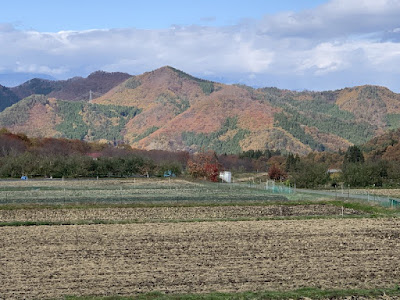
169,213
176,236
382,192
124,259
127,191
379,192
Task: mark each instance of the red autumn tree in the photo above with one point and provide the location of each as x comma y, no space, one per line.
204,165
276,173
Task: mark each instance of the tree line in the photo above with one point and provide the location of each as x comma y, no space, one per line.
58,157
350,168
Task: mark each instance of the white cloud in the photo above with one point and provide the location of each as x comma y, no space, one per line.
340,43
40,69
336,18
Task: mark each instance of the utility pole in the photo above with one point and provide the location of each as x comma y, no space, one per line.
90,96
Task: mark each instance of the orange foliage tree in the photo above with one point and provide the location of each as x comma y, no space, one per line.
204,165
276,173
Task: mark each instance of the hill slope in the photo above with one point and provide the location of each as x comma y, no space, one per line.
73,89
386,146
169,109
7,97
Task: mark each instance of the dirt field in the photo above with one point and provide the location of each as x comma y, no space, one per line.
144,214
51,261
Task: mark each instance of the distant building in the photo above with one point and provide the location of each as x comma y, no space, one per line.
94,155
169,174
334,171
226,176
334,174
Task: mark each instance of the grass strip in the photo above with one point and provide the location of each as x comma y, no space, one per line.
194,220
91,205
361,206
367,211
364,207
313,293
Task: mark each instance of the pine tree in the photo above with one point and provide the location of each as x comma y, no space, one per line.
353,155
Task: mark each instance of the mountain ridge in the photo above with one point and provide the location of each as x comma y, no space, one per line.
73,89
169,109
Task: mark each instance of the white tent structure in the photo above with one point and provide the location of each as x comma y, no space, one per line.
226,176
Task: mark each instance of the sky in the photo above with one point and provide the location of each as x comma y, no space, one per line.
292,44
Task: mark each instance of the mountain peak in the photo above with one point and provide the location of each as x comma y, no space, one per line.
168,71
169,109
34,81
165,70
103,74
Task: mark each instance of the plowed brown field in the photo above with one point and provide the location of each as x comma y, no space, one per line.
144,214
51,261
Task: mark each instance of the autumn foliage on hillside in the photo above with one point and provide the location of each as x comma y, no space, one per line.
73,89
168,109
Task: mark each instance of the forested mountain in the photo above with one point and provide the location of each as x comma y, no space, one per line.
171,110
7,97
386,146
74,89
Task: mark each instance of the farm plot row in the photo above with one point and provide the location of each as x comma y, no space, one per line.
146,214
52,261
392,193
132,194
96,184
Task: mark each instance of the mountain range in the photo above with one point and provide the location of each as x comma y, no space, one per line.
171,110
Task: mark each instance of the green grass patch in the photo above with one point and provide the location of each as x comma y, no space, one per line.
366,212
359,206
195,220
366,208
78,222
95,205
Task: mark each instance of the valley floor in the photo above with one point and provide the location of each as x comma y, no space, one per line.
124,259
174,248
